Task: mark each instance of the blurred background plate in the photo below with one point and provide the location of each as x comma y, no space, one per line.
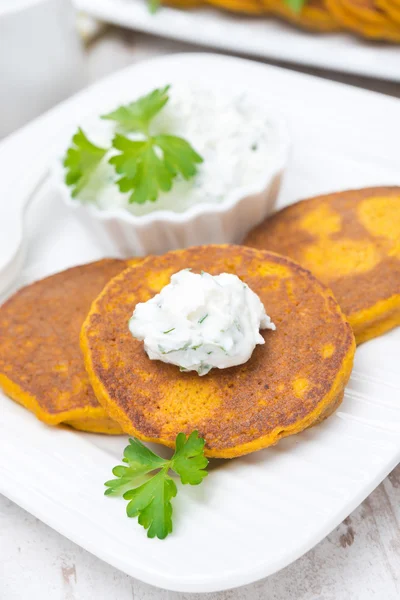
255,36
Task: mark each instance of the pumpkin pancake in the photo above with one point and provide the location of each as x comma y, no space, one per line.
351,241
391,8
365,18
314,15
293,381
41,364
249,7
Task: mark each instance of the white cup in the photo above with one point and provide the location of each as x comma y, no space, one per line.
41,58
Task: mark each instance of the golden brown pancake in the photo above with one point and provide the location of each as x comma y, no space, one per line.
184,3
314,15
41,364
351,241
391,8
292,382
250,7
376,19
365,18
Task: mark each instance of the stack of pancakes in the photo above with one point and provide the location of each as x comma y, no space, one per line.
374,19
66,352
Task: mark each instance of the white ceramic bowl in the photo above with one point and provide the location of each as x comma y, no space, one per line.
161,231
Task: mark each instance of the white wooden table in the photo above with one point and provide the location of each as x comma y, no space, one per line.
360,560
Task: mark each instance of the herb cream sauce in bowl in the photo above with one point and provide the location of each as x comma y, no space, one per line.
243,148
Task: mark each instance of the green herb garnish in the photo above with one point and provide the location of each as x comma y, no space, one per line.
204,368
81,160
164,351
146,165
153,6
169,330
295,5
203,319
151,165
151,501
137,115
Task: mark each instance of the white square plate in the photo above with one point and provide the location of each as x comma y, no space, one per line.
253,515
254,36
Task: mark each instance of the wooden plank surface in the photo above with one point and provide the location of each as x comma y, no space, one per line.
360,560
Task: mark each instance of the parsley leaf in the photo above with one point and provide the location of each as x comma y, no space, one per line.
137,115
153,6
295,5
141,461
189,461
80,161
148,166
150,500
179,156
151,503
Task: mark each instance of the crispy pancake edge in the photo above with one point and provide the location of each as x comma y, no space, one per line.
91,419
324,408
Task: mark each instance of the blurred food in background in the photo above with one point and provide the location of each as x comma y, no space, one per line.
374,19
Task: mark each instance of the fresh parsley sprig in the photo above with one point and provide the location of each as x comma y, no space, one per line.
151,165
150,497
147,165
80,161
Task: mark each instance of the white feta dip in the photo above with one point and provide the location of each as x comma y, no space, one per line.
200,322
232,132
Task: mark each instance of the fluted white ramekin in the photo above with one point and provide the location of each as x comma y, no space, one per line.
161,231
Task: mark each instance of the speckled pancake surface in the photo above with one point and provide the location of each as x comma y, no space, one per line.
41,364
293,381
351,241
